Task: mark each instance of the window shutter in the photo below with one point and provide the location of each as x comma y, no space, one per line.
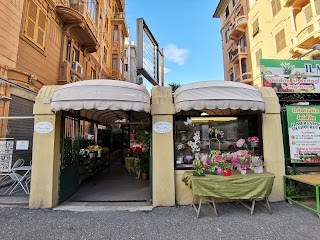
308,13
280,40
258,57
317,3
276,7
41,28
31,20
255,27
88,70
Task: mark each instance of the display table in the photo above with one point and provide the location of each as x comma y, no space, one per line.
309,202
131,165
236,187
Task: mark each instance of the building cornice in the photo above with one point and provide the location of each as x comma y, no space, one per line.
220,7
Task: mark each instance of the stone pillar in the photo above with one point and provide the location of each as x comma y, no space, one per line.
45,155
163,183
273,151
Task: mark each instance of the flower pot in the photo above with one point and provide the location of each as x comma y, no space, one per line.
99,153
91,155
132,136
227,172
258,169
144,176
219,170
179,160
243,171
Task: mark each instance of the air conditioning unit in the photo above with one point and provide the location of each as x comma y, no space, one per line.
139,80
77,67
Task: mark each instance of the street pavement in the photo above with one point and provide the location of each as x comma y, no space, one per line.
234,222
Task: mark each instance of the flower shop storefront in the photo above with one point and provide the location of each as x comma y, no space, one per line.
222,128
80,154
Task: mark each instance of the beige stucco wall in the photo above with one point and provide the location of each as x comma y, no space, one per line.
45,155
163,188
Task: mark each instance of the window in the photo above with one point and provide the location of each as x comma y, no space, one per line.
105,54
68,50
308,13
230,53
258,57
92,9
234,2
115,33
93,74
244,66
114,61
226,35
121,66
75,55
227,12
231,76
276,7
280,40
255,27
317,4
126,67
231,127
36,22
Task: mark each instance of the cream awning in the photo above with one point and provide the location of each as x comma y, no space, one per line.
101,100
221,95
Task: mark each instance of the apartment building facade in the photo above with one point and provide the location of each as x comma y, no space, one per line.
233,16
276,29
130,61
49,42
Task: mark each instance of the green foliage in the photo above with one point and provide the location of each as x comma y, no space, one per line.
292,190
174,86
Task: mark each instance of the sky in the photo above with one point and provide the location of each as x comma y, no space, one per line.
188,34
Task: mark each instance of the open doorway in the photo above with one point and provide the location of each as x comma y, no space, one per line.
104,164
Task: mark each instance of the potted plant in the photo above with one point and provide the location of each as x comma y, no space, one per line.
257,164
241,159
143,165
198,167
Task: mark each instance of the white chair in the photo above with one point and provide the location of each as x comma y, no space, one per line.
27,183
18,180
19,162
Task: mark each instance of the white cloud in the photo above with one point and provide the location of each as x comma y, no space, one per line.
175,54
166,70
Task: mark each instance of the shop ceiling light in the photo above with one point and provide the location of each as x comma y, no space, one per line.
213,119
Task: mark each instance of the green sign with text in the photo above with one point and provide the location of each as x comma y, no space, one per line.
304,133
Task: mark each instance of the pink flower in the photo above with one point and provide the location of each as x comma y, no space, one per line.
240,142
253,139
218,158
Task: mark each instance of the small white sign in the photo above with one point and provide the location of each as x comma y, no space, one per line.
162,127
43,127
22,145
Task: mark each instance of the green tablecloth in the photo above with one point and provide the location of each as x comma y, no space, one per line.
236,186
131,163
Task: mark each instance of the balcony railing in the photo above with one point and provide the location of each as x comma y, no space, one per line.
244,78
74,4
238,27
236,51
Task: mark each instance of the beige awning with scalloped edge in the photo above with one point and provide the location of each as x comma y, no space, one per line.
223,95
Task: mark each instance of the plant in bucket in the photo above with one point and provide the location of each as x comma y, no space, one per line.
224,163
248,144
241,159
199,168
257,164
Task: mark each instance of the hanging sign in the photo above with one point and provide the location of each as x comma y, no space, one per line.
162,127
291,76
43,127
304,133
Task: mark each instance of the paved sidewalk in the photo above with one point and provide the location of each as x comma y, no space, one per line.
235,222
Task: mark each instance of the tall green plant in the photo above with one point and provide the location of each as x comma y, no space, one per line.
174,86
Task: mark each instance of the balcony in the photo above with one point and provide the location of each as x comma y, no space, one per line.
245,78
120,4
306,37
296,3
67,74
238,27
238,53
75,20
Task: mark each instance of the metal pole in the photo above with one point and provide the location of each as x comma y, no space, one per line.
162,67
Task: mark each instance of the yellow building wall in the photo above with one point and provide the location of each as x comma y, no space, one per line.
269,26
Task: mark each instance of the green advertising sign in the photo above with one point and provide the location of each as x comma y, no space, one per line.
299,76
304,133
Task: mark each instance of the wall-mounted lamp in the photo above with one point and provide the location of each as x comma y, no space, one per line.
5,98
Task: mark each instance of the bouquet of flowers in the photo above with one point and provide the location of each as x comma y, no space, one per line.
194,144
248,144
241,159
94,148
134,151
